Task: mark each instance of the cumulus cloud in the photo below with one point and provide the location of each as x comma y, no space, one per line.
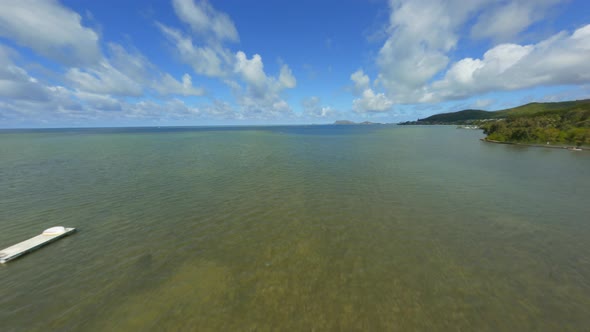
158,111
25,100
560,59
168,85
138,68
260,95
372,102
257,94
90,94
82,109
15,82
422,34
221,110
51,30
99,101
128,74
264,108
369,101
210,60
312,107
96,84
93,83
251,71
253,105
205,20
506,20
131,63
361,81
286,78
104,79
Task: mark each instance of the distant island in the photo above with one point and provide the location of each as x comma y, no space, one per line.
560,123
347,122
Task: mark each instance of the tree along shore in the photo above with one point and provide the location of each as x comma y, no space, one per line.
571,127
558,124
567,147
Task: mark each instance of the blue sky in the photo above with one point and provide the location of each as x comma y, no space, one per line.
76,63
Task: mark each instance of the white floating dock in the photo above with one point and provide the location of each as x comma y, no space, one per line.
48,236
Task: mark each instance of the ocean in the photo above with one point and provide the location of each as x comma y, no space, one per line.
326,228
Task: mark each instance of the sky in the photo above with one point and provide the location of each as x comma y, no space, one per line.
86,63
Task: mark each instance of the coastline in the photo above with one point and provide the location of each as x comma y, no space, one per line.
567,147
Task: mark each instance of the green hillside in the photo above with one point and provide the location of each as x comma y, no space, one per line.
561,123
454,117
470,116
535,108
562,126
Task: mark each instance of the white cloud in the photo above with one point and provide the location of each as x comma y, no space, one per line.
96,85
261,96
369,101
104,79
132,63
50,29
221,110
139,69
15,82
179,109
205,20
507,19
312,107
56,32
422,34
174,109
496,61
269,105
210,60
128,74
21,86
361,81
257,94
167,85
558,60
63,100
251,70
99,102
372,102
26,100
286,77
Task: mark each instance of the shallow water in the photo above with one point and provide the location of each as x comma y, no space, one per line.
293,228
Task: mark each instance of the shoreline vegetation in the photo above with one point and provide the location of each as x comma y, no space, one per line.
566,147
553,125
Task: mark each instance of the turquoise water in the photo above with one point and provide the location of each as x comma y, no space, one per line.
293,228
